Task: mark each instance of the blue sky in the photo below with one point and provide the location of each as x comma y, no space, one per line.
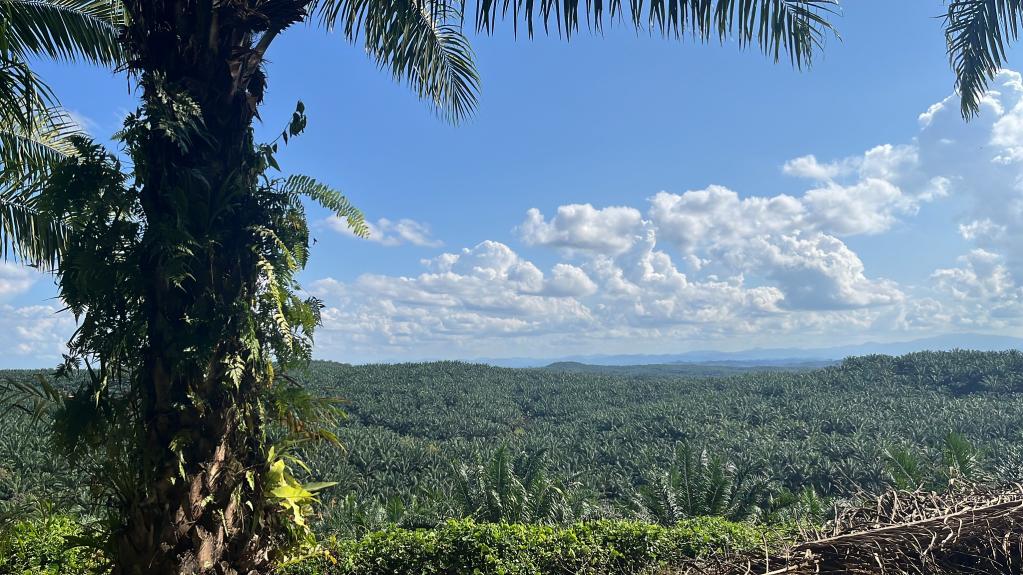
675,204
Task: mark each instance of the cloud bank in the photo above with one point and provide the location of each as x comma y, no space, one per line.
707,267
719,265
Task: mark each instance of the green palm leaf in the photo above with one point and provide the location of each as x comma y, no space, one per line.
419,41
961,457
27,233
27,153
34,131
794,27
24,97
976,33
422,41
26,157
63,29
905,468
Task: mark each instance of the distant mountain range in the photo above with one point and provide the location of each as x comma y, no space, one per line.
777,357
711,369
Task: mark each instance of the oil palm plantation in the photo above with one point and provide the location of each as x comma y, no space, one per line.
34,130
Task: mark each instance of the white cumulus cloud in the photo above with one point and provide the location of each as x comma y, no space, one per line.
582,227
34,336
15,279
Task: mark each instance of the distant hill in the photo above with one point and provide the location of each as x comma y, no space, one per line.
779,357
685,369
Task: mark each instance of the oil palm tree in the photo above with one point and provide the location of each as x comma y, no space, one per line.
512,489
700,484
183,279
34,130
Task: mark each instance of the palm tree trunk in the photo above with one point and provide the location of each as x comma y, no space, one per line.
200,506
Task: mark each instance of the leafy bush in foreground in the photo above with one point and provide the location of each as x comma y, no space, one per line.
40,547
599,547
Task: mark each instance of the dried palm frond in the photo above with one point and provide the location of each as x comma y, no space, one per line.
966,530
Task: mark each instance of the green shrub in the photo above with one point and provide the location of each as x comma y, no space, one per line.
465,547
38,547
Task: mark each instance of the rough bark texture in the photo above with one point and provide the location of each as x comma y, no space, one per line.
201,434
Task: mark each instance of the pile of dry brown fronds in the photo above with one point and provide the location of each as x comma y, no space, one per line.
967,530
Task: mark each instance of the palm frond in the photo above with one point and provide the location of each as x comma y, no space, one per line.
794,27
26,233
419,41
25,154
960,457
34,132
422,41
905,468
976,34
63,29
23,95
36,398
